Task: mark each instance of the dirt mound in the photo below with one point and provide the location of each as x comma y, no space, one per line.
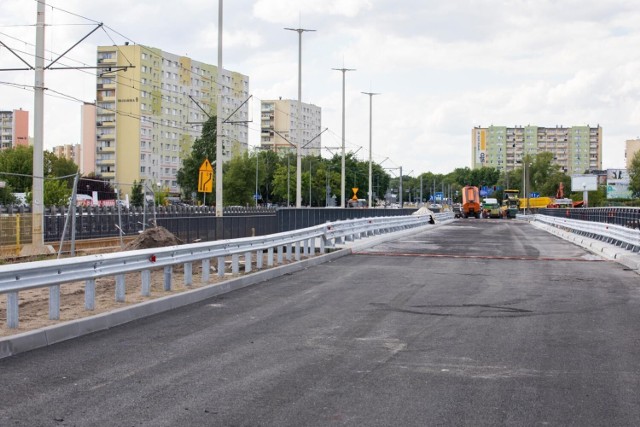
156,237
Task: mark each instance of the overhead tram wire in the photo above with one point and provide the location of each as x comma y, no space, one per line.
203,77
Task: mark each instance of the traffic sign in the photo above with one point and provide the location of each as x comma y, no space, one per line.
205,177
533,195
355,193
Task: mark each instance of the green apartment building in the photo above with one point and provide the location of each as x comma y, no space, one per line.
150,107
575,149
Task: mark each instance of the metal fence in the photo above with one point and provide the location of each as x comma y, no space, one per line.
39,274
293,219
624,237
625,217
189,223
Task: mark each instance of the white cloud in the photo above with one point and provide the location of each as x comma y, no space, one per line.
288,12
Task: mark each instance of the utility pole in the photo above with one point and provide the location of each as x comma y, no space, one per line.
371,94
219,161
343,176
400,190
37,199
298,119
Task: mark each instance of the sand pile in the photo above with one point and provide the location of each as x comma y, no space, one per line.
155,237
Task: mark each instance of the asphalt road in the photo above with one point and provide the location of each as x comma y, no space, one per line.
474,323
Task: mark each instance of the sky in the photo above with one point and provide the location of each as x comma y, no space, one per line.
441,67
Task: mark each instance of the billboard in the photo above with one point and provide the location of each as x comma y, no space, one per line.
584,183
618,184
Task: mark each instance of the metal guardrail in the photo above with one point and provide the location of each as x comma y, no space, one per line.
20,277
624,237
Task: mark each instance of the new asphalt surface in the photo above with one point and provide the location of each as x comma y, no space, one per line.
476,322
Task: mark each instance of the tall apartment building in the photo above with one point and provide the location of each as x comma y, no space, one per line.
150,110
279,125
14,128
632,146
88,135
71,152
575,149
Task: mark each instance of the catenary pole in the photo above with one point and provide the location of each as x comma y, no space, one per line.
37,200
371,94
299,119
343,176
219,161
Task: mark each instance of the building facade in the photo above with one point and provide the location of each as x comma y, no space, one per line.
632,146
575,149
71,152
279,128
88,134
151,106
14,128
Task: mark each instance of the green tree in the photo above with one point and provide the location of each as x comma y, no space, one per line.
137,197
284,180
202,148
56,193
6,198
18,164
160,195
55,166
634,175
239,180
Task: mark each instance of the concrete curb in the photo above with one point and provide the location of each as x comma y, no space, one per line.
607,251
43,337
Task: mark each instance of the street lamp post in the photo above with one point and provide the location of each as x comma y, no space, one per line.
298,119
343,176
371,94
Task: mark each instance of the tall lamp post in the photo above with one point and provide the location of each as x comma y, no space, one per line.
343,180
371,94
298,119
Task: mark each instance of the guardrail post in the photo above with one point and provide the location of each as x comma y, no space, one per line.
259,256
90,294
146,283
235,267
289,256
280,254
54,302
312,247
188,274
247,262
298,245
12,310
221,266
270,257
168,274
206,270
120,288
322,245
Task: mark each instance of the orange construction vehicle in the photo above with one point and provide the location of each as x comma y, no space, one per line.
470,202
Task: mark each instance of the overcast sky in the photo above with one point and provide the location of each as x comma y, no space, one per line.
442,67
